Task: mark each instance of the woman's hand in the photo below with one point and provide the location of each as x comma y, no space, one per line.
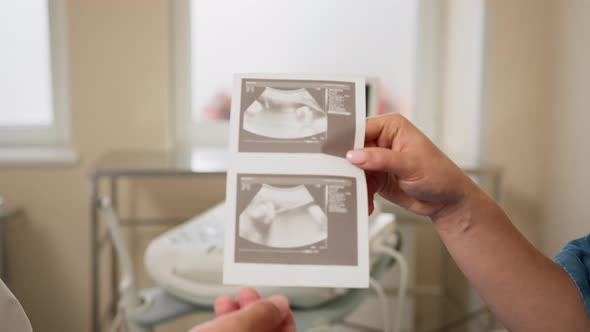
249,313
522,287
406,168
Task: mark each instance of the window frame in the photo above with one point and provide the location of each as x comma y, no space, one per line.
187,133
30,143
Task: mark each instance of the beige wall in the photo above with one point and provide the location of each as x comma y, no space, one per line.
119,66
566,200
517,102
537,101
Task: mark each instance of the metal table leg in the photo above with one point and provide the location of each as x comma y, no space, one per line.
114,265
94,268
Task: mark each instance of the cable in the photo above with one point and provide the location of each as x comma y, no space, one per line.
118,244
384,305
129,299
403,281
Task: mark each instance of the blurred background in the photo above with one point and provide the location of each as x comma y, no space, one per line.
499,85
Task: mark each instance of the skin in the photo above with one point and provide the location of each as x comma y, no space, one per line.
523,288
249,313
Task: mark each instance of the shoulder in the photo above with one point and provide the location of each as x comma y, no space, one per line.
582,243
574,258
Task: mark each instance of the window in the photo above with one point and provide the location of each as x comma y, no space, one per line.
214,39
33,78
428,55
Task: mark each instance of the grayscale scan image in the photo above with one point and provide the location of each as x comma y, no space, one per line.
296,219
297,116
275,214
286,114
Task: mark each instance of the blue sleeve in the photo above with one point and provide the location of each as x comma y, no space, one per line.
574,258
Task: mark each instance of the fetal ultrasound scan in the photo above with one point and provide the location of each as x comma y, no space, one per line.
297,116
276,213
296,218
285,114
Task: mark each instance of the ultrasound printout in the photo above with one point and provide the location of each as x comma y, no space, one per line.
297,208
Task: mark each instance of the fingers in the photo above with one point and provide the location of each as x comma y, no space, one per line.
379,159
396,195
288,324
383,128
247,295
370,144
371,190
224,305
282,304
260,316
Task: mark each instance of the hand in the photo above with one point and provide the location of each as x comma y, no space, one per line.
250,314
406,168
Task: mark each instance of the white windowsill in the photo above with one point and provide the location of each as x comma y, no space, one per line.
208,133
38,156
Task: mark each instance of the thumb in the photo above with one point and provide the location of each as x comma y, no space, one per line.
379,159
260,316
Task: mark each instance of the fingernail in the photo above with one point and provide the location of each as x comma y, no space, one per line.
356,156
282,304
